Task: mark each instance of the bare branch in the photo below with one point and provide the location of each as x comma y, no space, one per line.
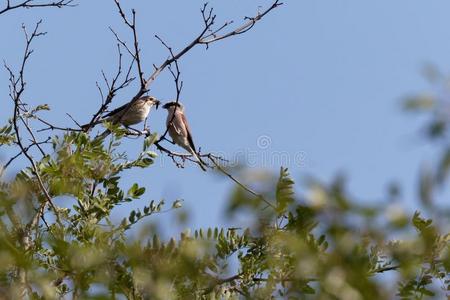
207,35
208,19
384,269
53,127
114,86
178,85
214,37
136,59
222,170
33,137
205,38
20,153
136,55
17,87
36,4
75,121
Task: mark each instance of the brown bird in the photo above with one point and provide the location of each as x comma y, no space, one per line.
127,114
180,131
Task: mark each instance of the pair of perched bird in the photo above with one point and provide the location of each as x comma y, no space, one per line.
137,111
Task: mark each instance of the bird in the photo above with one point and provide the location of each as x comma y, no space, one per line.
128,114
179,130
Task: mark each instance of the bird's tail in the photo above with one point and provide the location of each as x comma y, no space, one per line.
201,163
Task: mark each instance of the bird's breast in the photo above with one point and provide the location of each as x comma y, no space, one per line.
136,114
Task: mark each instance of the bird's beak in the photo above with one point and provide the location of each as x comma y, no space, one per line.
157,103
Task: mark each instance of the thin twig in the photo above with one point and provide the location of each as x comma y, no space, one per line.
220,281
31,4
209,21
178,87
207,36
222,170
384,269
213,37
4,167
114,86
17,87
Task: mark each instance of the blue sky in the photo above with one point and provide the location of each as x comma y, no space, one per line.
323,81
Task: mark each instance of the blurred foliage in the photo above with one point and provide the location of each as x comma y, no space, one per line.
321,245
435,108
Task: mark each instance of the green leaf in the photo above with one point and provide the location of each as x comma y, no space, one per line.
437,128
426,181
132,217
306,289
144,162
41,107
284,191
419,103
426,292
135,191
177,203
156,242
6,138
150,140
151,154
420,223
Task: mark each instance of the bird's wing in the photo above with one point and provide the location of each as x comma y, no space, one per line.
116,111
188,132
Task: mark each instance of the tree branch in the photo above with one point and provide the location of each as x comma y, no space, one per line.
17,87
384,269
202,38
34,4
222,170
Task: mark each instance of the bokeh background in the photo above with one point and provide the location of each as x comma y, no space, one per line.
317,86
